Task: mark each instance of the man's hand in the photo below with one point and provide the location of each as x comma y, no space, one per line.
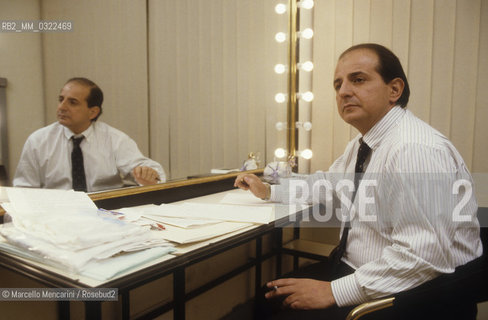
251,182
145,175
302,293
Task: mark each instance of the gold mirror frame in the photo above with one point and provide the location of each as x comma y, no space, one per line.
130,191
292,110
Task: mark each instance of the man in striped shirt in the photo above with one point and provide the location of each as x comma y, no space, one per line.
415,214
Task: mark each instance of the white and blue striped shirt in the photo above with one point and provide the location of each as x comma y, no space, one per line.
423,226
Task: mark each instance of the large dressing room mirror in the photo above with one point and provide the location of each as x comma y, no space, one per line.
191,81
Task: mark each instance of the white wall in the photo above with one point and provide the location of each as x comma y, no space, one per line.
442,44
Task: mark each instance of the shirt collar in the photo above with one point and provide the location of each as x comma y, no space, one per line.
376,134
87,133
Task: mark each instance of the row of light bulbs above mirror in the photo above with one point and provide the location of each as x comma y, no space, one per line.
306,66
306,33
305,96
304,4
307,125
307,154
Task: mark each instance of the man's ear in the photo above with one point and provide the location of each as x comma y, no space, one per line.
94,112
396,89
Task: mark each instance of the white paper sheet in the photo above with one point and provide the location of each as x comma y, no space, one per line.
109,268
134,213
181,222
185,248
48,200
100,270
181,235
235,213
244,198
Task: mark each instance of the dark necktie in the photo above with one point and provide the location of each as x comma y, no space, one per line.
363,153
77,167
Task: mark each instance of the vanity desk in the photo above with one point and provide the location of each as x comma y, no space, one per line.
264,241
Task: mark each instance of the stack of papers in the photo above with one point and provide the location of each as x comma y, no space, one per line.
185,236
192,222
64,227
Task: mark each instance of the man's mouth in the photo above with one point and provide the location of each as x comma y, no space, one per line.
349,105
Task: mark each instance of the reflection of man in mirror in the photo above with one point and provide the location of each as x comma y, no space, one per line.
78,152
416,237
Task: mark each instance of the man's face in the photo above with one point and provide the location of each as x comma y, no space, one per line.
73,111
362,96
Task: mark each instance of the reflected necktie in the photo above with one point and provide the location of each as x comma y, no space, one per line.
77,167
363,154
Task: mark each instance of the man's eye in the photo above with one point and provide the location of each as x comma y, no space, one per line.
358,80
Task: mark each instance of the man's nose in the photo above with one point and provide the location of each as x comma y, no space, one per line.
345,89
62,105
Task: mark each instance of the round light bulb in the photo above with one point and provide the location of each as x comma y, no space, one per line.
306,66
280,126
307,33
307,154
280,97
280,37
280,153
307,126
307,96
280,68
306,4
280,8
